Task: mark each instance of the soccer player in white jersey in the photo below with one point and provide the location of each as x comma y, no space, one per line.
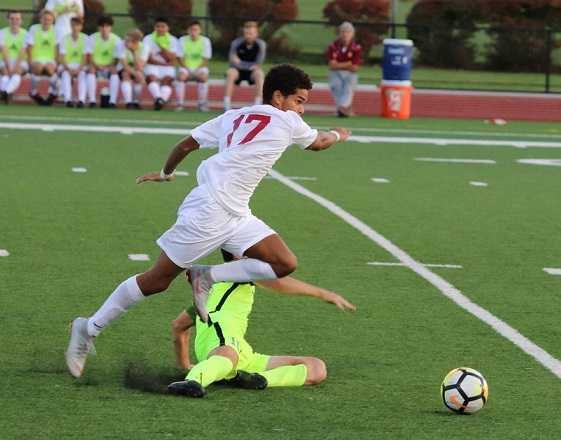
216,213
13,64
160,51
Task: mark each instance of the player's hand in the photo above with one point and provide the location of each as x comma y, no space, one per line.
343,132
153,177
338,300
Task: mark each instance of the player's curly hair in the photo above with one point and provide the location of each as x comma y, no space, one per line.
286,79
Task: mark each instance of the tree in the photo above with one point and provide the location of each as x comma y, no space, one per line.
177,11
370,17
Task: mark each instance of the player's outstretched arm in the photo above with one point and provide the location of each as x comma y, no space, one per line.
293,286
327,138
181,332
179,152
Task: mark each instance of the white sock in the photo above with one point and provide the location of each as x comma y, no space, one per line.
34,83
125,295
247,269
202,92
92,86
4,82
14,83
180,93
166,92
227,103
82,86
126,90
137,92
114,88
154,89
67,86
258,101
53,79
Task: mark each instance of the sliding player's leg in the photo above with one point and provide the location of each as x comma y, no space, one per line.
292,371
127,294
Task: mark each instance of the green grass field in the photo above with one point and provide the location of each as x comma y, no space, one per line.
69,234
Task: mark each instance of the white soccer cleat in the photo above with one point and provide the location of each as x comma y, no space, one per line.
201,282
81,344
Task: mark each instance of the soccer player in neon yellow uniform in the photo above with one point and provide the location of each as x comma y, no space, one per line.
132,66
160,51
195,51
72,59
223,352
42,55
13,64
104,50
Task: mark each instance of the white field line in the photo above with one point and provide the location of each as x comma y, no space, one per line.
442,266
4,253
447,289
79,170
139,257
449,160
477,134
380,180
542,162
360,139
552,270
480,184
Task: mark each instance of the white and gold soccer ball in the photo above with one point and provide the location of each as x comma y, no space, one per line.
464,390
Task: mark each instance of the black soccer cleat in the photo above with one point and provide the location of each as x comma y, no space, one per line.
37,98
5,97
158,104
249,381
69,104
189,388
50,100
80,104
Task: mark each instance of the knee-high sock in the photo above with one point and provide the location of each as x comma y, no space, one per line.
165,92
137,92
34,83
124,296
4,82
202,92
114,88
82,86
211,370
248,269
288,376
227,103
67,86
126,90
154,89
92,87
53,89
14,83
180,92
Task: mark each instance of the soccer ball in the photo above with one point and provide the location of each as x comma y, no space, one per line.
464,391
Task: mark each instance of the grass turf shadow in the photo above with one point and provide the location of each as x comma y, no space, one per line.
140,376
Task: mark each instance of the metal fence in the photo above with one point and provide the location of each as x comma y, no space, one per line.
529,60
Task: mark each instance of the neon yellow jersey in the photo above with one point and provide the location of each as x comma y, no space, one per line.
231,304
14,43
130,55
103,52
44,44
193,51
74,50
164,41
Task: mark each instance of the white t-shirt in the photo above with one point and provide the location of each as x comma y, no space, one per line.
207,47
62,23
249,140
149,47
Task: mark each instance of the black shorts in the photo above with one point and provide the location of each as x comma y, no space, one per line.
244,75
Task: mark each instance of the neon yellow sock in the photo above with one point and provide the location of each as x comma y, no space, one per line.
288,376
211,370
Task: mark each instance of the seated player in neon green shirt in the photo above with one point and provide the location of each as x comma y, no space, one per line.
13,64
42,54
72,59
195,51
132,66
223,352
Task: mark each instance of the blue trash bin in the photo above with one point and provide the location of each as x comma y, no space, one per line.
398,60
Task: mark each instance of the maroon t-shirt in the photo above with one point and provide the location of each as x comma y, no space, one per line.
340,53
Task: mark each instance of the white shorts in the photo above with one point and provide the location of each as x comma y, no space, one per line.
61,67
160,72
193,73
203,226
24,65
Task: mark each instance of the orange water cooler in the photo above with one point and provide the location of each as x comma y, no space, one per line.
396,99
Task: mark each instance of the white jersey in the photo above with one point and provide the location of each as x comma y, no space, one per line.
249,140
62,23
149,47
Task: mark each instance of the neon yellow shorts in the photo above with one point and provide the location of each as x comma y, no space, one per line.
209,338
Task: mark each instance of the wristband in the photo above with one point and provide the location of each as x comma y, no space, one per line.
337,135
165,176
